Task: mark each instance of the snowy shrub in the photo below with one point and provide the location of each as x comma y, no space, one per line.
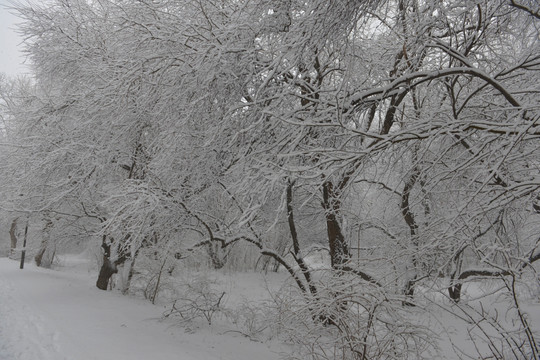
254,320
199,298
494,329
149,274
159,282
351,319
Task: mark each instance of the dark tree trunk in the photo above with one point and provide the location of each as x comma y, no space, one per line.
107,270
455,292
218,261
23,253
410,220
110,267
339,250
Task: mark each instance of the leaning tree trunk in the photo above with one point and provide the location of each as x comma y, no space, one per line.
410,220
108,268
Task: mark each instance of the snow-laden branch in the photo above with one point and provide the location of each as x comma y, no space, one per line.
406,82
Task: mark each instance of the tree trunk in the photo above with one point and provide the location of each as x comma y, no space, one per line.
13,237
39,256
46,235
339,251
455,292
213,251
410,220
107,270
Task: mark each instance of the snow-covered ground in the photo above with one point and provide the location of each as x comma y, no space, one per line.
55,315
60,315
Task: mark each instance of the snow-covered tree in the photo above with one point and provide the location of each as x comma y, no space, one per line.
401,136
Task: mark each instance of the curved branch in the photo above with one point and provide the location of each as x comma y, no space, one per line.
496,273
266,252
484,273
536,14
404,83
477,72
361,274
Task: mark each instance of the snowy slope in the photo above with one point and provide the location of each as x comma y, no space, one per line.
54,315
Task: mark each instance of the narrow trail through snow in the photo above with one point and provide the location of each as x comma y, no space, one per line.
56,315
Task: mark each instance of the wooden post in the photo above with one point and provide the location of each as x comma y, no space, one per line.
23,253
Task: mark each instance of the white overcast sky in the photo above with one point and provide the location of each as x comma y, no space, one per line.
11,58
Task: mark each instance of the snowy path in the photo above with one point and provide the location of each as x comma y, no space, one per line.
55,315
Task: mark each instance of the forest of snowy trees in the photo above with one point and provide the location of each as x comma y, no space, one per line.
397,139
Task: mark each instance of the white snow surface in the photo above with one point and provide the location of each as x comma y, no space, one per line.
61,315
